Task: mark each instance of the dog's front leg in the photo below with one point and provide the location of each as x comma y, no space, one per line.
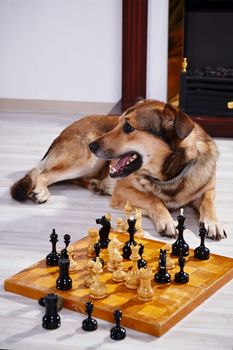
151,206
205,206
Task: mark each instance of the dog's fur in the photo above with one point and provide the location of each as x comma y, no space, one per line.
164,140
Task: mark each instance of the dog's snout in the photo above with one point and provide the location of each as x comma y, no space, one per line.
94,146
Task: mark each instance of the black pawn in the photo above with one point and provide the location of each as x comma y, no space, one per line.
89,324
97,249
202,252
131,230
53,257
51,319
67,242
180,247
181,276
64,282
141,262
118,332
162,276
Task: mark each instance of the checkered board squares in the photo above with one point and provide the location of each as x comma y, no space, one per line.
170,304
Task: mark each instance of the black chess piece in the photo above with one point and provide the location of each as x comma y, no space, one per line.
141,262
97,249
162,276
202,252
104,231
53,257
180,247
67,242
51,319
60,302
89,324
118,332
64,282
181,276
131,230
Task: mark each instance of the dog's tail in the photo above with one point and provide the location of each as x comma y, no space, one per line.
21,189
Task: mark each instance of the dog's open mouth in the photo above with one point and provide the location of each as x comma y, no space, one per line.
126,165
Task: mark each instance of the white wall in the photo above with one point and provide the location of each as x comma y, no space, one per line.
61,49
157,53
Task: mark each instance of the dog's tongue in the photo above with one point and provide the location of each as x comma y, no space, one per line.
116,169
122,162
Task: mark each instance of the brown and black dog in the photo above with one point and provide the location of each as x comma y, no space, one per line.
154,155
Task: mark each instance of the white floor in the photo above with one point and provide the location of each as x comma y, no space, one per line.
24,235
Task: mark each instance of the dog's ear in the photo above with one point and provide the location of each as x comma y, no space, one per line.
181,123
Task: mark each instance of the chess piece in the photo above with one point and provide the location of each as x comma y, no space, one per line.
60,302
139,230
97,253
104,230
93,234
131,230
67,242
119,274
169,261
64,282
118,332
132,276
202,252
180,247
162,276
120,225
53,257
89,324
51,319
128,213
98,289
90,278
145,291
113,251
181,276
141,262
73,264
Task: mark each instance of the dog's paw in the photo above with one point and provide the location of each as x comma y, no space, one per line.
214,229
96,186
39,195
166,226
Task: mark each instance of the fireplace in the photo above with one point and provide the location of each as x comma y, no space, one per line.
206,83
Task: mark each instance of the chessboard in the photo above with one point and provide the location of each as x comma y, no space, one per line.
171,302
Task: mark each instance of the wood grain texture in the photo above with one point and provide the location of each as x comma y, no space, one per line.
24,231
171,302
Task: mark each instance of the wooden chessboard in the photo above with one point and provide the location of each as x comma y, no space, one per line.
170,304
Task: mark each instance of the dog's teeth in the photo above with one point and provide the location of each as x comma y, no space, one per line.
112,169
134,156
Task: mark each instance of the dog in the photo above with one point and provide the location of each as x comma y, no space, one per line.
153,155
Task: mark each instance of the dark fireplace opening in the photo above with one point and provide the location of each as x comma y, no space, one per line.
206,82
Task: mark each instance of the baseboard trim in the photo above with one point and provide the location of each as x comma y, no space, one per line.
58,107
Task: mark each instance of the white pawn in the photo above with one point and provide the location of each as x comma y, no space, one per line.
119,274
138,216
90,278
169,261
98,289
93,234
120,225
70,252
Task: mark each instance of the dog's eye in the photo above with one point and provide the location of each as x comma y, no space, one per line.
127,128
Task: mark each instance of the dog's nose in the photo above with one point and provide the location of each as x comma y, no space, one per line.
94,146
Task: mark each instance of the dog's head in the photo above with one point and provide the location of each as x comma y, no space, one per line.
149,130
